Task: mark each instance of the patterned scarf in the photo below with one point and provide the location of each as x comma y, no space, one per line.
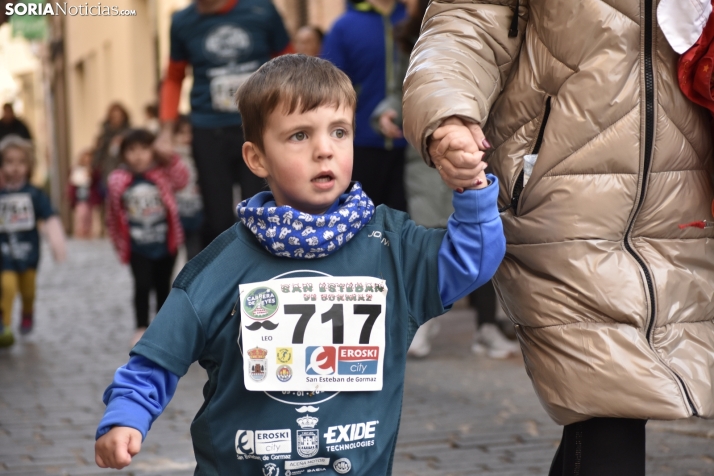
285,231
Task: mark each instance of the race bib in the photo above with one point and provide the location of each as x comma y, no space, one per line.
313,334
223,91
16,213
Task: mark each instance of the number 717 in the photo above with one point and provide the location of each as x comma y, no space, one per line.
337,316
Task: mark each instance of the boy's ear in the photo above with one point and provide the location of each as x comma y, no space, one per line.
254,159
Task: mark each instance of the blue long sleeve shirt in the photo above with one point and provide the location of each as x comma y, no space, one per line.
469,255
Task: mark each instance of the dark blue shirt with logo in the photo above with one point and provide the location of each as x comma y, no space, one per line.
224,49
146,215
242,432
19,238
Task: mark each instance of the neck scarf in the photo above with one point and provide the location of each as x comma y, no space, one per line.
287,232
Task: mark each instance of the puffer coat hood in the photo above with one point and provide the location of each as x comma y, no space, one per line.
612,301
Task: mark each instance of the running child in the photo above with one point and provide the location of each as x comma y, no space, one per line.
302,313
143,220
22,208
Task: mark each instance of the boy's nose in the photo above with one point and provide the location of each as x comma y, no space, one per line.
323,147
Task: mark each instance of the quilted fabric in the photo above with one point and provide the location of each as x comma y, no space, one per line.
611,299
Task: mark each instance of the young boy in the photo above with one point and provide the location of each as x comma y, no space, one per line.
23,209
302,313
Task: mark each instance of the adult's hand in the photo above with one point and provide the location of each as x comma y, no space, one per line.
164,143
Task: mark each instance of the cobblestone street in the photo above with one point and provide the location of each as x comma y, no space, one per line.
462,415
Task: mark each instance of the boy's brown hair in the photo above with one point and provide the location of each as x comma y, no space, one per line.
292,82
13,141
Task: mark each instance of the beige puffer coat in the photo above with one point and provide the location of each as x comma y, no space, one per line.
612,301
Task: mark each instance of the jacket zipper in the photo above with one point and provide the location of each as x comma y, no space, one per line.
518,186
649,141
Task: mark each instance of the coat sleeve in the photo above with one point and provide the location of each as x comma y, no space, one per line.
459,64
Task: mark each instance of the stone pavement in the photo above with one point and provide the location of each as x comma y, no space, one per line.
462,415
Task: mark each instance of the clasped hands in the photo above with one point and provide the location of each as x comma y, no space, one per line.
456,150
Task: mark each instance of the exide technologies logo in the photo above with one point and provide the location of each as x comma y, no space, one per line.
360,360
320,360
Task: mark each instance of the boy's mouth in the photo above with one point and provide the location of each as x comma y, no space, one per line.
324,177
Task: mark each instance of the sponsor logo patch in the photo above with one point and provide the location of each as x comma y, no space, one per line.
263,442
308,439
284,373
260,303
306,463
357,360
342,466
350,433
257,364
320,360
284,355
307,442
271,469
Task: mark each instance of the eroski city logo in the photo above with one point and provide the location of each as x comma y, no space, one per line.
320,360
357,360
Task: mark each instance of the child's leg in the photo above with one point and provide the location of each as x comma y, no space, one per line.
142,270
82,220
599,446
26,281
163,269
9,284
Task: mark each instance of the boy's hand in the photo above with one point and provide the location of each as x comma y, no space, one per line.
115,448
456,151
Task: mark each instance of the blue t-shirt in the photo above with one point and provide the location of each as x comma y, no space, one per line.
224,49
196,323
357,45
146,215
19,238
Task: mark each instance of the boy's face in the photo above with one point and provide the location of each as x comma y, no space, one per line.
14,166
139,158
307,159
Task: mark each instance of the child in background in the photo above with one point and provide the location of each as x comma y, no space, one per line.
142,218
84,194
21,207
190,203
284,384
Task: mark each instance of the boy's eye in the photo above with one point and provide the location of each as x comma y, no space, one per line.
340,133
299,136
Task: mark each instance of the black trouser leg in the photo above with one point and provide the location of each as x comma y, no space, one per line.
193,242
142,270
601,446
483,300
381,173
163,268
219,164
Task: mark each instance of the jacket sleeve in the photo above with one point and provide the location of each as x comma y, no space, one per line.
459,64
474,245
138,395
